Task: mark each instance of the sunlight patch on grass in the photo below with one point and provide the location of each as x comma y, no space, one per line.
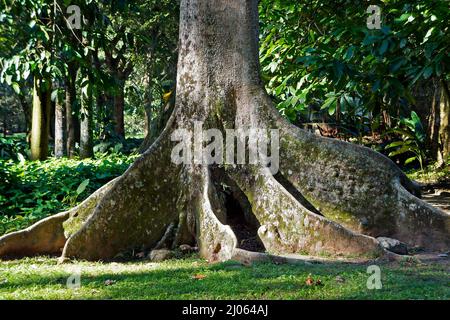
42,278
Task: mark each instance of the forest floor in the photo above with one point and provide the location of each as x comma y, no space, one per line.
193,278
435,185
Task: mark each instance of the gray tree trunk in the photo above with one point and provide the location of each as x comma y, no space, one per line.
60,129
86,125
329,197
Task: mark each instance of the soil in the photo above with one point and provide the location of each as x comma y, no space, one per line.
246,233
438,197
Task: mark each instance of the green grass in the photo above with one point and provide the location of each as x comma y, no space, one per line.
42,278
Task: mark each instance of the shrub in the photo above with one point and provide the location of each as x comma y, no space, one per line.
30,191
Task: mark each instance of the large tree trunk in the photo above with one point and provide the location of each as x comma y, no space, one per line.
329,197
40,127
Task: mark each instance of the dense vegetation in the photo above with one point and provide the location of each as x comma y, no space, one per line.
369,85
34,190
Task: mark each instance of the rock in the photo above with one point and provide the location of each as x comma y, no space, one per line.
185,249
339,279
160,255
393,245
110,282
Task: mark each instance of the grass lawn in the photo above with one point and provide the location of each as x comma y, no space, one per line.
193,278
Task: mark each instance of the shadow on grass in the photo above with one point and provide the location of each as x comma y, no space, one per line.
231,281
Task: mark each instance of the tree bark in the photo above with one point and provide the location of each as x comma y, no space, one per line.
432,106
5,125
71,114
60,129
86,128
444,128
328,198
27,113
119,107
40,127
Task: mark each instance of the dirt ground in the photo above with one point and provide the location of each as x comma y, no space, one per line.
438,197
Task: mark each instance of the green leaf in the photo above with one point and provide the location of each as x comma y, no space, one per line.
394,144
16,87
402,150
328,102
82,186
54,95
21,158
384,47
428,35
8,79
409,160
427,72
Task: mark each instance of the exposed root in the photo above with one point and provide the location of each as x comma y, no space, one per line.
419,223
44,237
216,241
49,235
165,238
288,227
248,258
356,187
134,213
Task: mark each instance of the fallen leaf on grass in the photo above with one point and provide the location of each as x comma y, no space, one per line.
311,282
199,277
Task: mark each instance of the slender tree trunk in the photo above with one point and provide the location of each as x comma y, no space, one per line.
52,121
444,128
119,106
427,107
86,132
148,117
26,107
5,125
71,114
60,129
40,119
432,106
